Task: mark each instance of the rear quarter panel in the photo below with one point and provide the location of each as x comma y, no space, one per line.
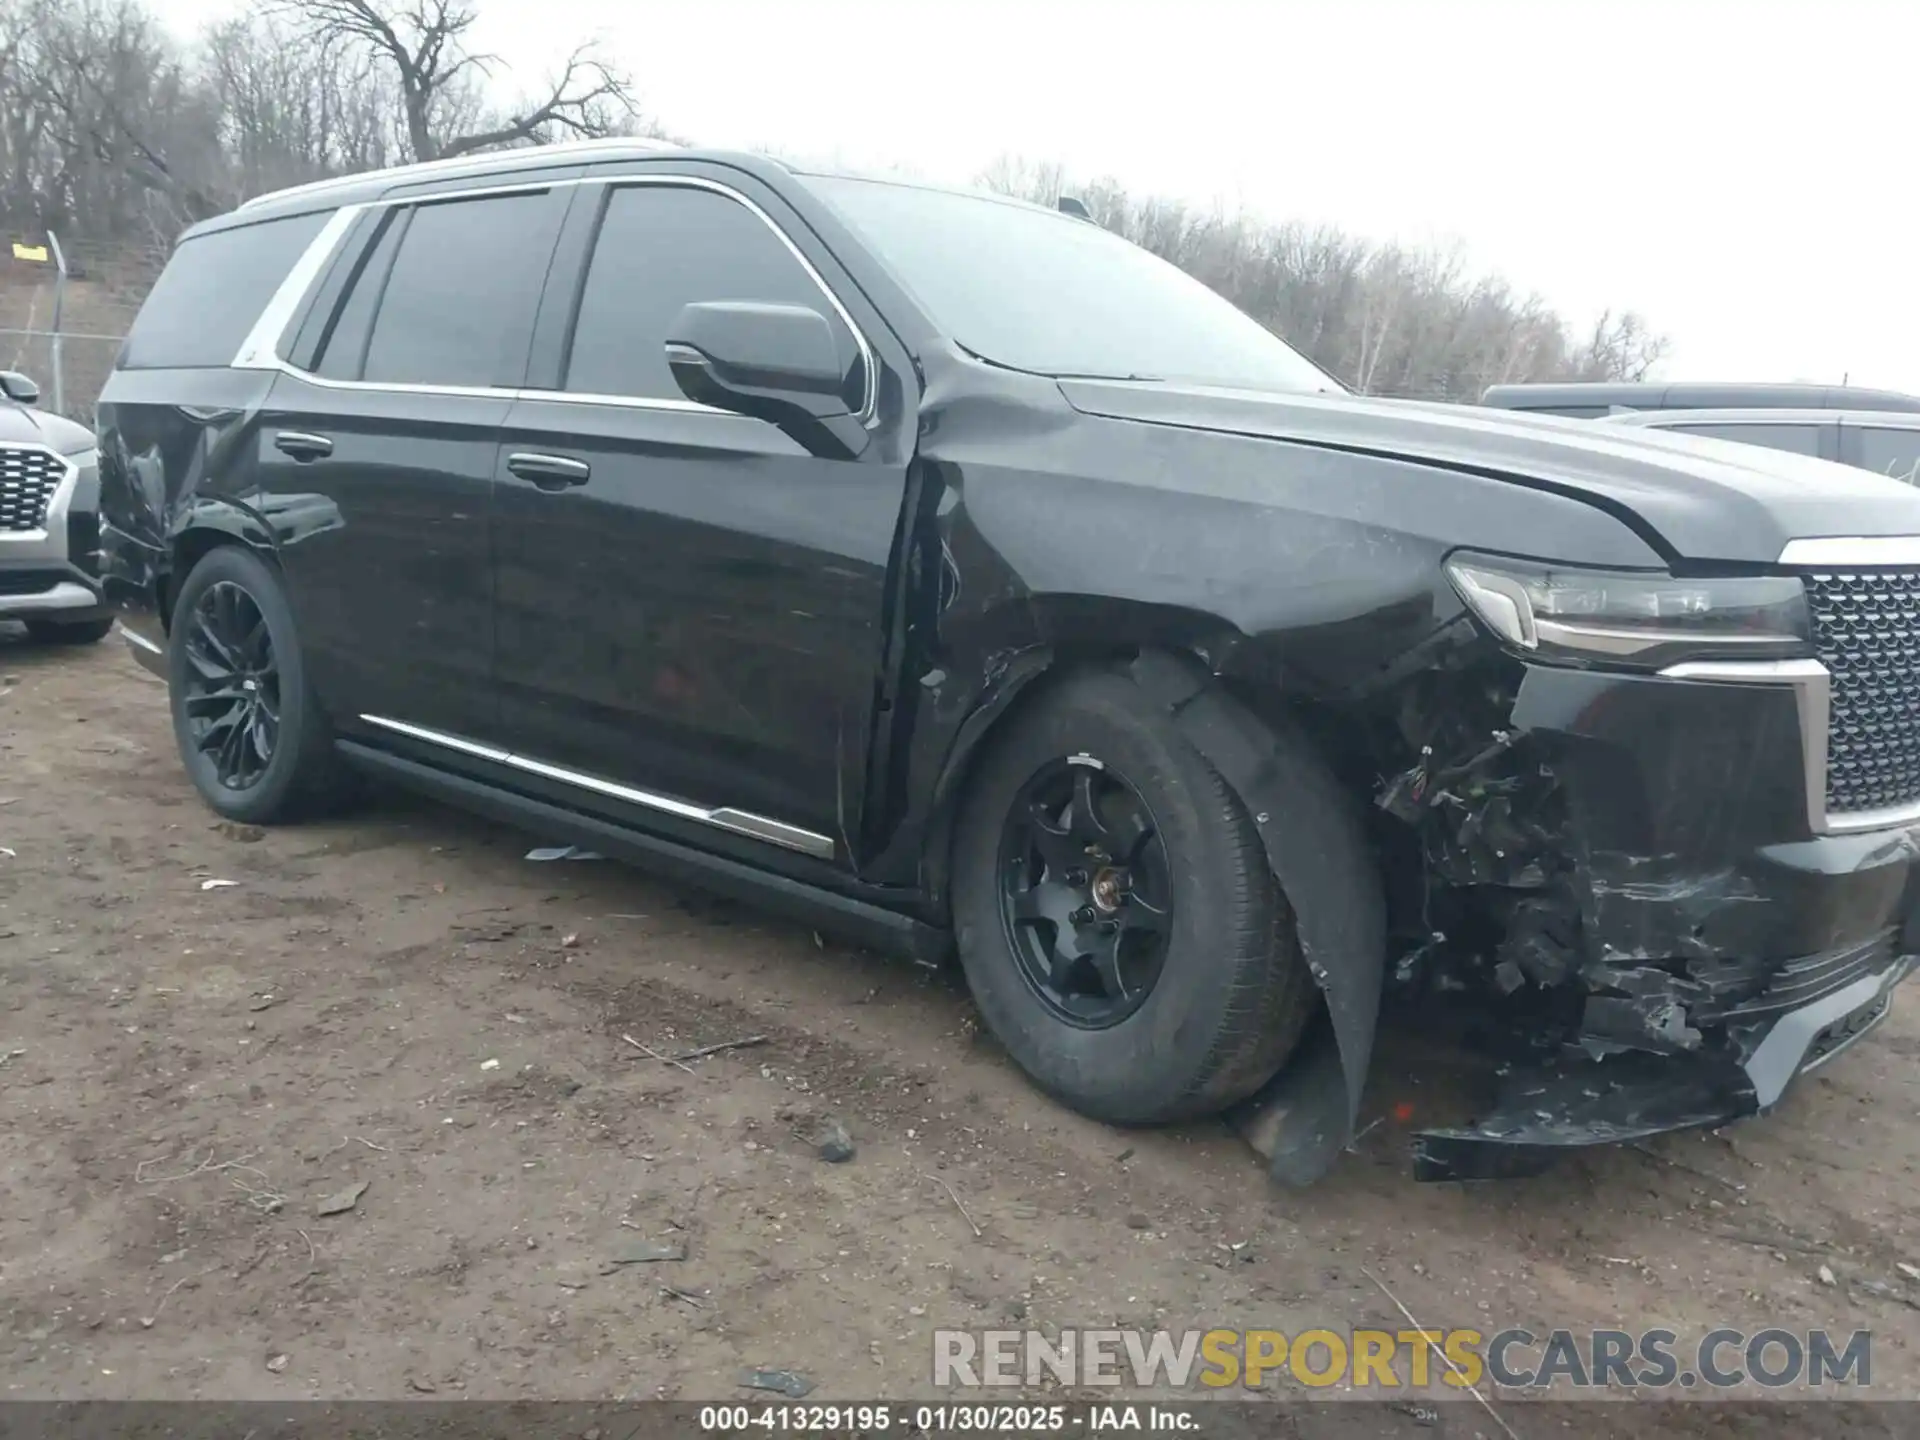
178,451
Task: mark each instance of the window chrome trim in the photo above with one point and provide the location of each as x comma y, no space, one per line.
260,349
725,817
1813,698
570,151
1851,552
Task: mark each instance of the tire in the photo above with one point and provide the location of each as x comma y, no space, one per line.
283,762
1232,993
45,631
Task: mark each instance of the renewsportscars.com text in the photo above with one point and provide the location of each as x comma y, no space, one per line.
1653,1359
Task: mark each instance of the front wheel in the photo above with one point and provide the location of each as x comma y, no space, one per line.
250,730
1118,923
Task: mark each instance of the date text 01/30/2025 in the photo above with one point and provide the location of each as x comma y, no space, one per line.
879,1417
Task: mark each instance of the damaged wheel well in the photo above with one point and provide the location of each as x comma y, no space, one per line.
1313,830
190,547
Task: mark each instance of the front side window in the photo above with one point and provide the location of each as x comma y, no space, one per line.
458,302
660,248
1800,439
1888,451
1033,290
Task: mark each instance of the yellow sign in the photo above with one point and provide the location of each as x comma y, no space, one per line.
29,252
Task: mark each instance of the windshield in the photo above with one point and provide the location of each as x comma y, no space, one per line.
1039,291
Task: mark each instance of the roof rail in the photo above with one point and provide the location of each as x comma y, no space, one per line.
523,158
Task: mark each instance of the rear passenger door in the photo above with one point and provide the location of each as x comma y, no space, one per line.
380,436
1885,449
689,604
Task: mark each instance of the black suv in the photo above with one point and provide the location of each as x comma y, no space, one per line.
951,571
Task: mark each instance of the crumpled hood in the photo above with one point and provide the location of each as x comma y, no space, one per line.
1692,498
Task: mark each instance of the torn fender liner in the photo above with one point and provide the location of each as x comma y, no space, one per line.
1317,847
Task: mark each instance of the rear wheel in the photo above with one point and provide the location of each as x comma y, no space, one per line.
249,728
47,631
1117,920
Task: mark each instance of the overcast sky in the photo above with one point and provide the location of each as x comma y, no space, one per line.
1742,174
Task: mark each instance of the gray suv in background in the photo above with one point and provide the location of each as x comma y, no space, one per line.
49,521
1886,442
1592,400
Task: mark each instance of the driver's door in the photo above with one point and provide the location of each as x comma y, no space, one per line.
688,605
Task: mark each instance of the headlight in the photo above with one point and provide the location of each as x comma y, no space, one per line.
1644,620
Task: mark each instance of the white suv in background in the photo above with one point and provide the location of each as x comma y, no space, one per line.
1884,441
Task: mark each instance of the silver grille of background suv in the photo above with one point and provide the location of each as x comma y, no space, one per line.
28,478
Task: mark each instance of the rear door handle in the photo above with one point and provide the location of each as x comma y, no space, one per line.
302,446
549,472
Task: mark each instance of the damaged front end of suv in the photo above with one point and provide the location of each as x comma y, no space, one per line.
1665,826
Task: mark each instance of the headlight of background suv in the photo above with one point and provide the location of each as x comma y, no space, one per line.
1637,620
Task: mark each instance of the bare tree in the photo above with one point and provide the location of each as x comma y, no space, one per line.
291,110
101,97
1385,318
441,81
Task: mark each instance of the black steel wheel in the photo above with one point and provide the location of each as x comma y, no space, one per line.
249,728
232,692
1086,892
1122,933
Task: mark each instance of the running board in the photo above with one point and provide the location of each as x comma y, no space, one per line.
857,921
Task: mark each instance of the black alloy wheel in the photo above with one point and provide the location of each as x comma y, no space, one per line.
231,696
1086,892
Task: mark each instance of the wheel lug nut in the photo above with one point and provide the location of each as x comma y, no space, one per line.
1083,915
1076,877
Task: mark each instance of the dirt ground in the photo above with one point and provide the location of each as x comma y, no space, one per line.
401,1001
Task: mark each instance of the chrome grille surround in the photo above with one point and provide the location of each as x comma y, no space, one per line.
1889,564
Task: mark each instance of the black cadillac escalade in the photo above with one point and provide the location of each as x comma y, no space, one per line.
947,570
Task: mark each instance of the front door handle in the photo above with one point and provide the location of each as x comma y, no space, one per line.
549,472
302,446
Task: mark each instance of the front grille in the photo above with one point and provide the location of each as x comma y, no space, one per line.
28,479
1866,629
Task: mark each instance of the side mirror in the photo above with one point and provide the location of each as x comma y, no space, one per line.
18,387
777,363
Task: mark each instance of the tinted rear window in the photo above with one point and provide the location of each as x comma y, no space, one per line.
1800,439
212,291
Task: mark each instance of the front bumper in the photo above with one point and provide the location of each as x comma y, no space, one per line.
48,594
1676,896
1542,1113
52,570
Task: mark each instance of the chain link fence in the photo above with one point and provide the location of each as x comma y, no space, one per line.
65,308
